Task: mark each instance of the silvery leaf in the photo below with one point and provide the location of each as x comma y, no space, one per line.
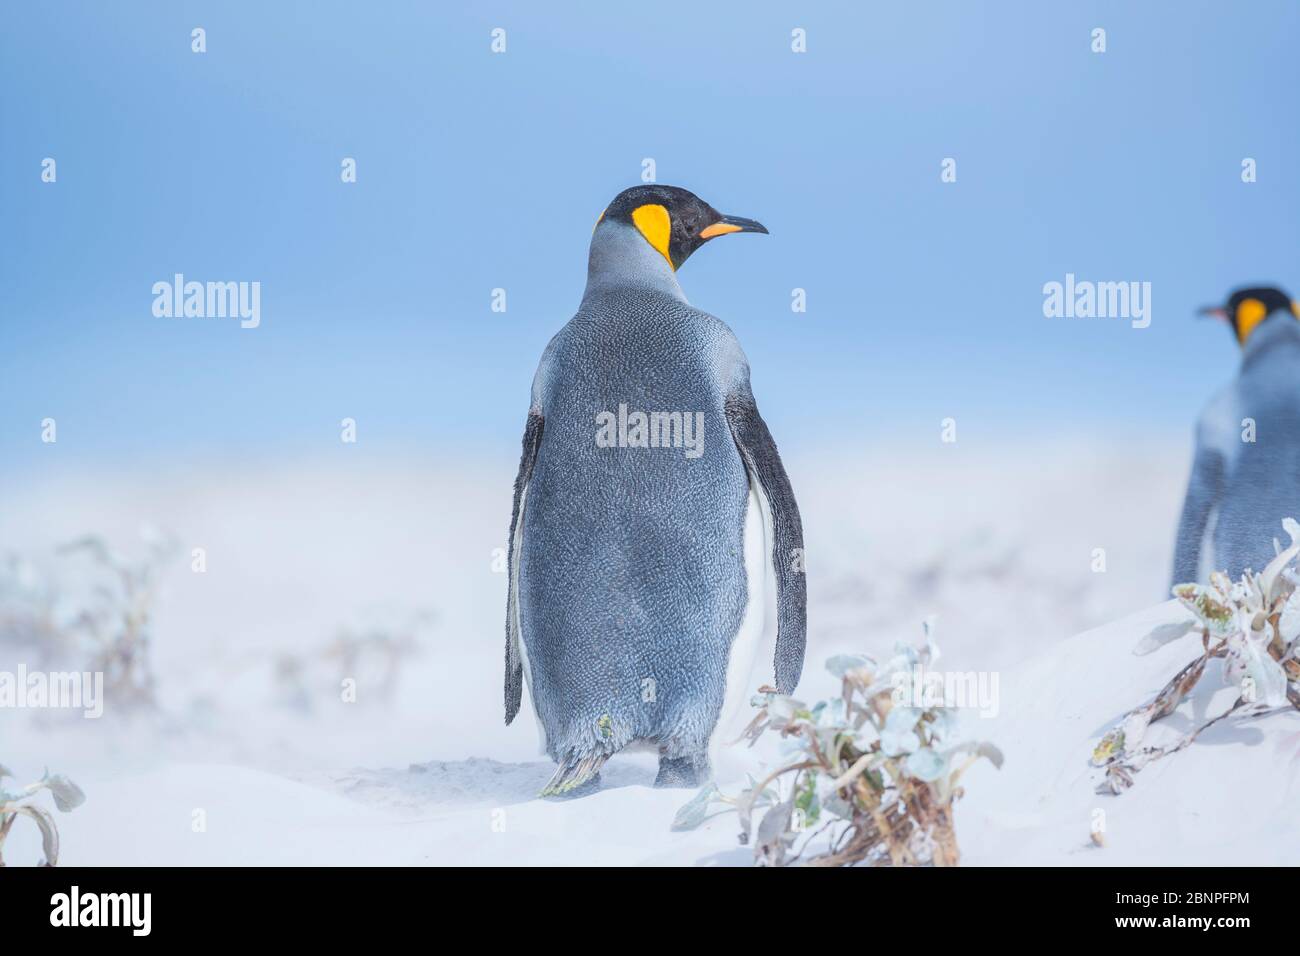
841,664
1135,728
792,749
693,813
865,736
929,625
1162,635
925,764
773,833
902,718
905,657
943,723
1268,580
67,795
836,805
1288,625
49,834
896,743
830,715
781,709
979,749
1252,662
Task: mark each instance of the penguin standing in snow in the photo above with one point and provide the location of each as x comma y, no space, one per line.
1246,472
649,503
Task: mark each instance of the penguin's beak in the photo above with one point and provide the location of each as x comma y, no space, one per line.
1214,312
732,224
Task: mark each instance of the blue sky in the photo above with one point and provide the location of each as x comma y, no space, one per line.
478,171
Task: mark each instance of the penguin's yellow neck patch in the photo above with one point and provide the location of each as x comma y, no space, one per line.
653,222
1250,313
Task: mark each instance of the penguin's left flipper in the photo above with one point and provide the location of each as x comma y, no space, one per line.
1204,490
514,657
763,463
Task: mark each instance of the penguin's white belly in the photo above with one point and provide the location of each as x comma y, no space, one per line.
514,611
748,642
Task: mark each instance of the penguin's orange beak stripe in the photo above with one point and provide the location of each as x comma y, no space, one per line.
719,229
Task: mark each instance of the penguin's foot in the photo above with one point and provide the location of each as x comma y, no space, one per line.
585,789
690,772
576,779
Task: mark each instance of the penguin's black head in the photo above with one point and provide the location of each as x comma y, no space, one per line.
673,220
1248,307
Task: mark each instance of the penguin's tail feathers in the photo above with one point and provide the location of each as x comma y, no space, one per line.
573,776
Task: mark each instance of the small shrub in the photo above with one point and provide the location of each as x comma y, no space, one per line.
371,655
118,624
100,621
35,618
67,797
1252,626
876,778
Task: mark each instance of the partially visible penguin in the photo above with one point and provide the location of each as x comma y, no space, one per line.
1246,471
650,499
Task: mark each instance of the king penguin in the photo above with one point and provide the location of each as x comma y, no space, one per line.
1246,469
650,507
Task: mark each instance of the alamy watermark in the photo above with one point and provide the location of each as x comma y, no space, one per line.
1073,299
54,690
213,300
683,430
925,688
130,910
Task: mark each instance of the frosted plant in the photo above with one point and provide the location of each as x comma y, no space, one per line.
67,797
371,656
1252,626
118,622
876,779
106,616
377,653
34,616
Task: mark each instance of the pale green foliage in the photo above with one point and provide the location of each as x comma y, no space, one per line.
876,779
1251,626
22,803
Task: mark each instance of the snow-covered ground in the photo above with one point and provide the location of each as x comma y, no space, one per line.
253,738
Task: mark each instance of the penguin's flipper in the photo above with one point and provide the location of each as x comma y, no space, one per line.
514,655
764,465
1204,488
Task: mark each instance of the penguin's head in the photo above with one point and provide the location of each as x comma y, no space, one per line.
674,221
1247,308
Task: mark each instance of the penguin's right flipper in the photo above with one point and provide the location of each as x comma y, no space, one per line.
514,657
764,465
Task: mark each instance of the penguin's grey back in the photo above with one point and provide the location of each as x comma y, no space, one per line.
1261,483
631,581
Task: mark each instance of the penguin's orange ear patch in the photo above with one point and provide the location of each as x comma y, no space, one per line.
1250,313
653,222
